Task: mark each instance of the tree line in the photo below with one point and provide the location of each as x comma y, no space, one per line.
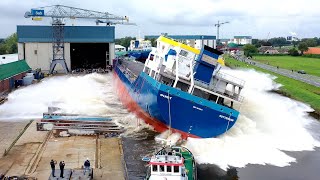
301,45
9,45
126,41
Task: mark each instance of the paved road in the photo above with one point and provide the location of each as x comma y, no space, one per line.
310,79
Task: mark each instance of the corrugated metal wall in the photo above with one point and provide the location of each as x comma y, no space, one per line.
72,34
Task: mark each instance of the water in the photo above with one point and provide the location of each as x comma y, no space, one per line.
268,125
269,128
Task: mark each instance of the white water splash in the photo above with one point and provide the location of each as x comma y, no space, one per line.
167,138
92,94
268,125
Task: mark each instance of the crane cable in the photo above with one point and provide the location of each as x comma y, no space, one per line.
169,106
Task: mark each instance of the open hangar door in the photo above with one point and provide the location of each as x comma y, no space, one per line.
89,55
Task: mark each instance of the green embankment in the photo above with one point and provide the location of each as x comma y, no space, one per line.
292,88
296,63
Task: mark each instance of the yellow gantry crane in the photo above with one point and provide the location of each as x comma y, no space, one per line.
60,12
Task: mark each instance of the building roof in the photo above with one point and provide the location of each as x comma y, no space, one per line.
313,50
242,37
118,46
263,49
177,37
8,58
14,68
72,34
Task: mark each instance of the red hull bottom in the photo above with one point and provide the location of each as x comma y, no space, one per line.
132,106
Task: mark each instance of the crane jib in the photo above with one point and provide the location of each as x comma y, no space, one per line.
37,12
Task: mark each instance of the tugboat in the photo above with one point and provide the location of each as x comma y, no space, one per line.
182,88
172,163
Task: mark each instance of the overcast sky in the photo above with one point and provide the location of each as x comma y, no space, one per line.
256,18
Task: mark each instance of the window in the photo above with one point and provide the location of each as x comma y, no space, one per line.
176,169
35,51
154,168
161,168
183,53
169,169
151,57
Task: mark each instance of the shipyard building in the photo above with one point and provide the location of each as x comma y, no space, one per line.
88,47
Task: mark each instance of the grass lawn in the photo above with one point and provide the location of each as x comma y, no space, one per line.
292,88
309,65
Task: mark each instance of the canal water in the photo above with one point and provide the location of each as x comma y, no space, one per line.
273,137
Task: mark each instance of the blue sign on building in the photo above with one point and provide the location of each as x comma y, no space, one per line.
37,12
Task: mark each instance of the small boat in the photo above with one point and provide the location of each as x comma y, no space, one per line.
140,49
172,163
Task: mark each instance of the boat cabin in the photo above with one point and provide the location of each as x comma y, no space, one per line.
194,71
167,166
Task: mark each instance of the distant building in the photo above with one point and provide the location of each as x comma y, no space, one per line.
242,40
196,41
10,71
292,38
313,50
8,58
268,50
225,41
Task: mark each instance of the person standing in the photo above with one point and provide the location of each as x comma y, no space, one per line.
61,164
86,166
53,167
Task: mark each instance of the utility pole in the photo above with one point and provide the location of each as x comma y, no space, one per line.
218,26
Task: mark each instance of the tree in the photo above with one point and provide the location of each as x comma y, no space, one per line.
302,46
259,43
279,41
249,49
311,42
124,41
153,41
293,52
9,45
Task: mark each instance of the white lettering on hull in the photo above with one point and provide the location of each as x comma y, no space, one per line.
165,96
226,118
197,108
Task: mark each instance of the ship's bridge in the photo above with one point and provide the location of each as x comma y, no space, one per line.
169,166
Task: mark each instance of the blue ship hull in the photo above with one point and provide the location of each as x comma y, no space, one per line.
191,116
139,55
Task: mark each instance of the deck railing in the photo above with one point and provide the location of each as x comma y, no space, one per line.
231,78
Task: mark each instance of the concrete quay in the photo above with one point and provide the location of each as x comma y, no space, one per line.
33,150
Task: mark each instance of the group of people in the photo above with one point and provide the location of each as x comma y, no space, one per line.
62,164
53,167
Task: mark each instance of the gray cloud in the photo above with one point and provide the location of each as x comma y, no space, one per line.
185,16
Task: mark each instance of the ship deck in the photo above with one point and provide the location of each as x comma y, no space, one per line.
135,67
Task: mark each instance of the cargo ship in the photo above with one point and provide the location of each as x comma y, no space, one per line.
180,88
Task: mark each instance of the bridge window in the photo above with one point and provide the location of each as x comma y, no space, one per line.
151,57
183,53
154,168
169,169
161,168
176,169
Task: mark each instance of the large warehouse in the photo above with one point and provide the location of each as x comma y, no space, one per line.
85,46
